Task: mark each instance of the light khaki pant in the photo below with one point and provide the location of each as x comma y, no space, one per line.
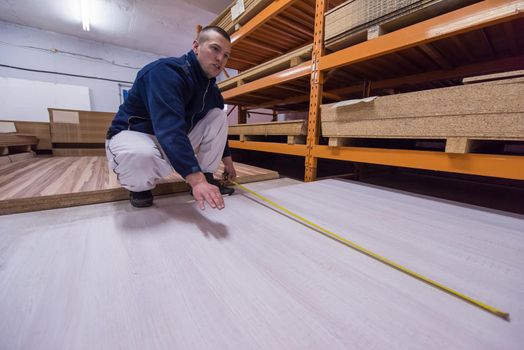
139,161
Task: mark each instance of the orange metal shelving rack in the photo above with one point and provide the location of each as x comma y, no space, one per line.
452,26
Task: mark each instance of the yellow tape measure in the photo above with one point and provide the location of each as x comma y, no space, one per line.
380,258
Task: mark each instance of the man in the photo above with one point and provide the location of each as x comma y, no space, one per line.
173,120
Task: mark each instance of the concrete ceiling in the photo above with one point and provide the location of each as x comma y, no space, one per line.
163,27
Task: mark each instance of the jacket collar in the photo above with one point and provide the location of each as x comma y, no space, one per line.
197,69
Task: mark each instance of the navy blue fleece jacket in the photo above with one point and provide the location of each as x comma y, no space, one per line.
168,98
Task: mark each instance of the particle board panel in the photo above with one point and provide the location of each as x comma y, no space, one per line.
494,77
172,276
57,182
493,110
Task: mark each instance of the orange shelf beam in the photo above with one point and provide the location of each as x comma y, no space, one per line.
265,15
476,16
289,74
503,166
272,147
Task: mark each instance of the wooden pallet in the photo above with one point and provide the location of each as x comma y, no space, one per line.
57,182
295,130
356,21
459,115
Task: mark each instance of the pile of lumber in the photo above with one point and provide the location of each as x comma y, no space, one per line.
492,110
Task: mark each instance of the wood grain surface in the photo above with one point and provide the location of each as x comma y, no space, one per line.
109,276
57,182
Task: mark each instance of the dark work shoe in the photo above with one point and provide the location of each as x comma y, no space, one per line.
223,189
141,199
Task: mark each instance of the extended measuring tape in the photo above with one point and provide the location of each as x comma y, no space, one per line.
378,257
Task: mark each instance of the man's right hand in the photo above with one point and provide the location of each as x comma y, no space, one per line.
204,191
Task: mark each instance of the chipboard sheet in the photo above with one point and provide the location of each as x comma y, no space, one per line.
109,276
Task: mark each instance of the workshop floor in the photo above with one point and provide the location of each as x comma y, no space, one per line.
109,276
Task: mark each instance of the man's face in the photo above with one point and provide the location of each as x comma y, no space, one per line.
212,54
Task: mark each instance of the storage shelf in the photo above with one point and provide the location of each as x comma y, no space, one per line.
478,39
283,26
409,59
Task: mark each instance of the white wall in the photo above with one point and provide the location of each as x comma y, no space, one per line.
34,49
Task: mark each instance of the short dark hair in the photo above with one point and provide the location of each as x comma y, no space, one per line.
203,35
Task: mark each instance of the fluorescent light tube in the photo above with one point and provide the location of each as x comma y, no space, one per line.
85,15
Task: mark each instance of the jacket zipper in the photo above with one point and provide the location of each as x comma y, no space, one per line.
203,105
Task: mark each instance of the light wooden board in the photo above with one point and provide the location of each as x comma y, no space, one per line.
173,277
291,127
57,182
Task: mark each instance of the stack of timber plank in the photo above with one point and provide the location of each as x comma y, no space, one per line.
226,21
461,114
278,64
79,133
359,20
295,130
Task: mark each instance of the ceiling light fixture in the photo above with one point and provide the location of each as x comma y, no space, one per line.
85,15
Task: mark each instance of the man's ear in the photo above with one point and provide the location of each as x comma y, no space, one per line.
195,47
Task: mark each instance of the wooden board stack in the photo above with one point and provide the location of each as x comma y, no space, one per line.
460,114
360,20
295,130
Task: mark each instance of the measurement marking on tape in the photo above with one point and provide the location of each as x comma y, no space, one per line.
378,257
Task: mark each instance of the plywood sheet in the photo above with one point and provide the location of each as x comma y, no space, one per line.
172,276
57,182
